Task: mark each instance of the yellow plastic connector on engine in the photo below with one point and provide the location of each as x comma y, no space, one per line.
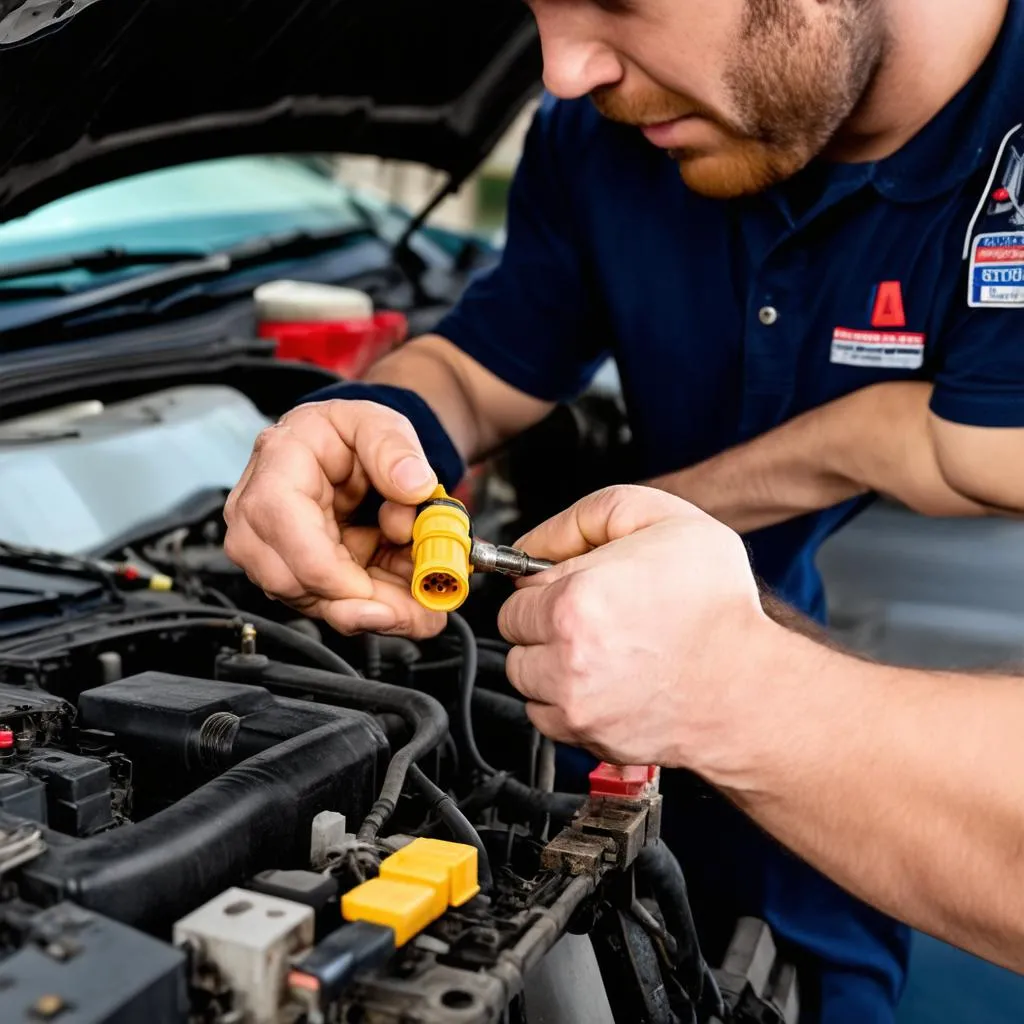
404,907
449,868
417,884
441,544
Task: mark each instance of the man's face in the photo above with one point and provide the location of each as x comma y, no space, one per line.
741,93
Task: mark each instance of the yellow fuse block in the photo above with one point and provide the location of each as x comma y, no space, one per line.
404,907
458,859
421,871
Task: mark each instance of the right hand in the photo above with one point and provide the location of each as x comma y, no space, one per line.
288,516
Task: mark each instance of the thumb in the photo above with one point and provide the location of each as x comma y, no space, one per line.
601,518
386,446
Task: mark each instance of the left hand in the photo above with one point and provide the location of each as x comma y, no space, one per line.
630,646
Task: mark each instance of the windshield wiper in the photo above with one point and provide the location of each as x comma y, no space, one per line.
96,261
40,561
295,244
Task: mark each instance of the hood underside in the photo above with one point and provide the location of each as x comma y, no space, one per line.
93,90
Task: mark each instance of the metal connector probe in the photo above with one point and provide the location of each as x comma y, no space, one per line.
507,561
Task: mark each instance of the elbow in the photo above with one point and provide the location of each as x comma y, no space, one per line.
978,465
990,491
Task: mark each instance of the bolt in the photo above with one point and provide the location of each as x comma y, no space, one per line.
248,638
47,1007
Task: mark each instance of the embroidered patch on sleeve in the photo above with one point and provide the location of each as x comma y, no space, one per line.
996,276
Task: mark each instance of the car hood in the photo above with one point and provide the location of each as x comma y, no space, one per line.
93,90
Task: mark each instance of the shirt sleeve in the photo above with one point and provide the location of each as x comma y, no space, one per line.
980,377
535,319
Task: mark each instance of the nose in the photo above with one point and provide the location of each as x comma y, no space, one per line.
577,60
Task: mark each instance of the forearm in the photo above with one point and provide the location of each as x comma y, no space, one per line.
478,410
904,787
879,439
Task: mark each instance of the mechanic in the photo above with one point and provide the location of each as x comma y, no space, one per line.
826,306
903,786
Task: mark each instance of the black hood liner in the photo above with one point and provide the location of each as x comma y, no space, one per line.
107,88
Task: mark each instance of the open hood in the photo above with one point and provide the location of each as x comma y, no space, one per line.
93,90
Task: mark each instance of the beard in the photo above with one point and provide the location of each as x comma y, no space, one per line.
791,87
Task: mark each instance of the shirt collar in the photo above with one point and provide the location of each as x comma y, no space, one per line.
956,143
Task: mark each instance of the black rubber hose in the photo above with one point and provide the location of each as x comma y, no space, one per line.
467,680
658,865
254,816
426,716
458,824
523,799
374,657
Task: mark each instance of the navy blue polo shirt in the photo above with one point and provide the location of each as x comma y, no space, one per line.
727,318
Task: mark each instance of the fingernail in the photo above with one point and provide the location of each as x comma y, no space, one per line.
412,474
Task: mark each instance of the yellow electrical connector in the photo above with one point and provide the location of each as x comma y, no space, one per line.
404,907
418,871
449,867
441,544
415,887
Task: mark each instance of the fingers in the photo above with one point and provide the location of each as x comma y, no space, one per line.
386,446
601,518
391,609
529,616
550,722
396,522
283,517
283,507
524,668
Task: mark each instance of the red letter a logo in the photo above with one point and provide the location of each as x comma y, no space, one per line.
889,306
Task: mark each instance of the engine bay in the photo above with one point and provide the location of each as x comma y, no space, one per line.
207,801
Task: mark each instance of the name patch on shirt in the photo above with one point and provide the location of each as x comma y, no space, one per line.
891,350
996,276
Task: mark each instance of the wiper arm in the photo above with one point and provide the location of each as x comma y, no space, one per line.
96,261
292,244
56,563
50,310
286,245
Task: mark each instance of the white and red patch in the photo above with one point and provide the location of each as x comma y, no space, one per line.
890,350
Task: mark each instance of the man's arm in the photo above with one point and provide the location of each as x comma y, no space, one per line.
904,787
650,644
478,410
882,439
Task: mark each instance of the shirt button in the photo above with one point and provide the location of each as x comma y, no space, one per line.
768,315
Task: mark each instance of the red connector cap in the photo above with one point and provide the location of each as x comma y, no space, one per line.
6,738
621,780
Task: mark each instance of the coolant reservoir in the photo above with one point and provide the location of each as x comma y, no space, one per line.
288,301
332,327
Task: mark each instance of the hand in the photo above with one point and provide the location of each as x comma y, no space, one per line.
632,646
288,516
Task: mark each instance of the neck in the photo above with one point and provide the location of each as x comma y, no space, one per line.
927,62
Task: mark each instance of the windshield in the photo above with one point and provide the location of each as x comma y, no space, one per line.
205,207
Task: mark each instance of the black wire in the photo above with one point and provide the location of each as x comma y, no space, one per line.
42,561
459,825
467,680
490,644
374,656
219,596
216,618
